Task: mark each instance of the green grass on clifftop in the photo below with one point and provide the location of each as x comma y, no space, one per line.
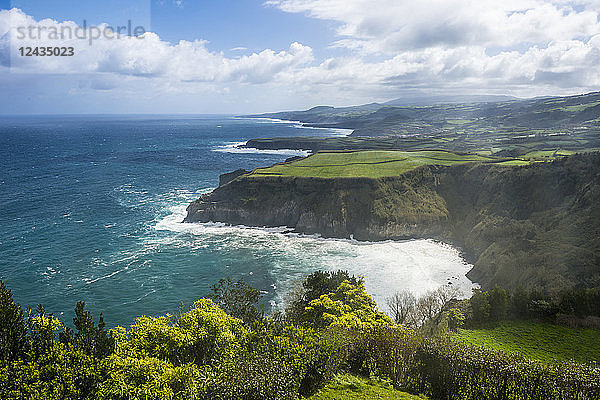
538,341
349,387
367,164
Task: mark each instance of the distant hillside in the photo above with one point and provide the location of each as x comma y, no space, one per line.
512,116
511,127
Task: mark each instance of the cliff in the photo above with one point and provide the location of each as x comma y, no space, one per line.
535,226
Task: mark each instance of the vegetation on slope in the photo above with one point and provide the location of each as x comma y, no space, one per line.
505,117
548,327
205,353
534,225
367,164
537,341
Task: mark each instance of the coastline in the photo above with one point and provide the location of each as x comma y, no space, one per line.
342,132
471,207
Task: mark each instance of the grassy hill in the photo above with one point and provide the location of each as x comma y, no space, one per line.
370,164
510,128
513,116
537,341
350,387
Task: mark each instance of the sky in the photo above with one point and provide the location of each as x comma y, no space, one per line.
250,56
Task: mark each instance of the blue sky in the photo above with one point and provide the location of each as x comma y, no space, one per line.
226,56
226,24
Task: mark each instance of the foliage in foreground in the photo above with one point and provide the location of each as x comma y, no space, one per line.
205,353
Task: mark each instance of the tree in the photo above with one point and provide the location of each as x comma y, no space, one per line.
499,300
427,308
540,305
314,286
402,305
480,305
90,339
446,294
324,282
13,329
518,303
349,307
456,319
238,299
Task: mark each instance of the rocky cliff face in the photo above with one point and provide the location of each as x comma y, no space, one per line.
366,209
535,226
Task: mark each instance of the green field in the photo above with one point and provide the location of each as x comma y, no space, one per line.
548,154
349,387
369,164
538,341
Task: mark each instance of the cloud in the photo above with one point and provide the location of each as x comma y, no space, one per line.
143,56
570,65
392,26
525,47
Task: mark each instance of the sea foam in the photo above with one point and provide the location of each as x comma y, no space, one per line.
389,266
236,148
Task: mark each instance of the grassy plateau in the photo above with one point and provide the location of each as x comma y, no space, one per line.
369,164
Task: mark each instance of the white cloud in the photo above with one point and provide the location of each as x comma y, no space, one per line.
392,26
526,47
146,55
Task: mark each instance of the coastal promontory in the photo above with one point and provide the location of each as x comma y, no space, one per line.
520,224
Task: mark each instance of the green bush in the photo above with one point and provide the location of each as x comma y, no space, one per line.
60,372
480,305
130,378
203,334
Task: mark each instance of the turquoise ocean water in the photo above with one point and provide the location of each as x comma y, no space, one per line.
92,209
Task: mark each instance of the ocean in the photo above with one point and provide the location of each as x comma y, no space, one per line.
92,210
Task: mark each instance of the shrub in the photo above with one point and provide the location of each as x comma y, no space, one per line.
60,372
203,334
130,378
444,369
